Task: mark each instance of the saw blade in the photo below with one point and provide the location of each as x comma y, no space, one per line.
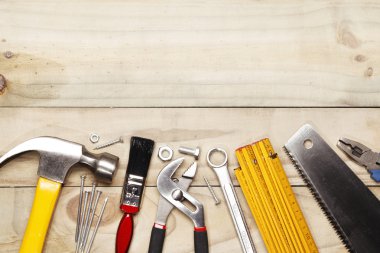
352,209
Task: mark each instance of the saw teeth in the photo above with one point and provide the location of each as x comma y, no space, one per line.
320,202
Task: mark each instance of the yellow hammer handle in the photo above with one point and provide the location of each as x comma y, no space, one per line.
47,193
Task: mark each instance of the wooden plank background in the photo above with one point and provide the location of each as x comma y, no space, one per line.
190,53
197,73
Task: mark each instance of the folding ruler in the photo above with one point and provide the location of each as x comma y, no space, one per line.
271,199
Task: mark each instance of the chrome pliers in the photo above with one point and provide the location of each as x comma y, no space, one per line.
173,192
362,155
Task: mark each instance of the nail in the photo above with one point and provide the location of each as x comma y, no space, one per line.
86,193
93,209
82,179
97,225
89,207
217,201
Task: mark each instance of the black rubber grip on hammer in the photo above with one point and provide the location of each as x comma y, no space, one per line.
200,241
157,238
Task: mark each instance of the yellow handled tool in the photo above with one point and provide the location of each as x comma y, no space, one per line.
47,193
271,200
57,156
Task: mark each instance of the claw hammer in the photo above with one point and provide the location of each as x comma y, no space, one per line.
57,156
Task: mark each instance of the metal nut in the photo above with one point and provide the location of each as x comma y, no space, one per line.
164,149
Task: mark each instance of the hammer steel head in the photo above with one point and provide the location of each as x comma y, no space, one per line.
57,156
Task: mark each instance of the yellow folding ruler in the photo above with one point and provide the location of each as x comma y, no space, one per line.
271,200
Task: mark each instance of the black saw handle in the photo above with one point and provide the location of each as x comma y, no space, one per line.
157,238
200,240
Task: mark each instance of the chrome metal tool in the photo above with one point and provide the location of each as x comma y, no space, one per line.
241,227
57,157
352,209
164,209
174,193
363,155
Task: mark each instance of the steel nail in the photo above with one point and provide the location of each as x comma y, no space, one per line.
97,225
93,209
217,201
86,193
88,210
82,179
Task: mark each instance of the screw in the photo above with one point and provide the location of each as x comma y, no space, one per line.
190,151
82,179
217,201
97,225
107,144
8,54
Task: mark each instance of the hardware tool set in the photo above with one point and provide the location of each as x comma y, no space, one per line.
352,209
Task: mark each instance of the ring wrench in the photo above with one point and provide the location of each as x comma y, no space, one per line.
241,227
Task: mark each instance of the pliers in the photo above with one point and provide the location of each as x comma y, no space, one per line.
362,155
173,192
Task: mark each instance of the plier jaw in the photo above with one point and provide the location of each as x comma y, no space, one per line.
363,155
173,192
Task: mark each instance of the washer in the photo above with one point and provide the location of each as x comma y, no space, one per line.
94,138
161,152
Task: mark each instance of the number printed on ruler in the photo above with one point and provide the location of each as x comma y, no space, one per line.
271,199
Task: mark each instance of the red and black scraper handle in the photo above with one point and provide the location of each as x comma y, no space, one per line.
139,159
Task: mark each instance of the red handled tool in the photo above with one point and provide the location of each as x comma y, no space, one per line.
138,164
172,195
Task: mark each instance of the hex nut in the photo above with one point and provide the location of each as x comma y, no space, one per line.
161,152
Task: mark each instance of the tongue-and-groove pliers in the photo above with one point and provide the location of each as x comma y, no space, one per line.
173,192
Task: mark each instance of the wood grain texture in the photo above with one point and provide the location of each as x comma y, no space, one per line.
207,128
221,232
190,53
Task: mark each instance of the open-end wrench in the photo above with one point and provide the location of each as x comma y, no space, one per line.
241,227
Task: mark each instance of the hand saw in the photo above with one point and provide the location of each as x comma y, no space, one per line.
350,206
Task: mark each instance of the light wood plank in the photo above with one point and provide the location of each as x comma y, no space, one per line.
207,128
185,53
222,238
